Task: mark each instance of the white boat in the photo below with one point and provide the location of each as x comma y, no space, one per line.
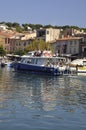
80,66
77,62
46,65
81,70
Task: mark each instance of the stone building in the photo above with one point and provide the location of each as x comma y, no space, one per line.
48,34
68,46
13,41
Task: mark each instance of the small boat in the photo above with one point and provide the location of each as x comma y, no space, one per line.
80,66
46,65
81,70
2,62
10,59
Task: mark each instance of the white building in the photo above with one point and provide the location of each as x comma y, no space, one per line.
3,27
48,35
52,34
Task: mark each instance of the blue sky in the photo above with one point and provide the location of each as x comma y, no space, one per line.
54,12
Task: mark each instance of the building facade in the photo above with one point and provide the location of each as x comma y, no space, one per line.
14,41
5,40
69,46
48,34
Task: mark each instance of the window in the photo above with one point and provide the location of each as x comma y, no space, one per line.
24,43
19,44
8,40
84,63
74,50
5,40
70,50
47,32
84,49
70,43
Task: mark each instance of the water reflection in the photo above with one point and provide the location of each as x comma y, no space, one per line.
41,102
40,92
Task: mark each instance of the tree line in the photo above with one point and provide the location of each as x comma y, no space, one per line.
24,27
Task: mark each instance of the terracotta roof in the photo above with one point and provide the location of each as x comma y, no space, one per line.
66,39
7,34
69,38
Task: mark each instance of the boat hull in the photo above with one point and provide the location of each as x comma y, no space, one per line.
36,69
81,71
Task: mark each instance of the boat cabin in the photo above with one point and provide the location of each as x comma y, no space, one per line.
43,61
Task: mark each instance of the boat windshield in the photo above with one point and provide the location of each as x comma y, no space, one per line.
22,60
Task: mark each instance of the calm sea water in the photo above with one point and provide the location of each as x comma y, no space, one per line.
35,102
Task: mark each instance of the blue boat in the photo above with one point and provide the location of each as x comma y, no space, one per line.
41,65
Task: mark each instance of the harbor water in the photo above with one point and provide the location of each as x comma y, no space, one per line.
35,102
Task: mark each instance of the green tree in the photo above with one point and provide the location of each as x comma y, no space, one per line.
25,26
2,22
2,51
38,45
38,26
19,52
49,26
9,24
15,25
19,29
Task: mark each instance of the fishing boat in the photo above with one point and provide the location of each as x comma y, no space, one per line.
44,64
